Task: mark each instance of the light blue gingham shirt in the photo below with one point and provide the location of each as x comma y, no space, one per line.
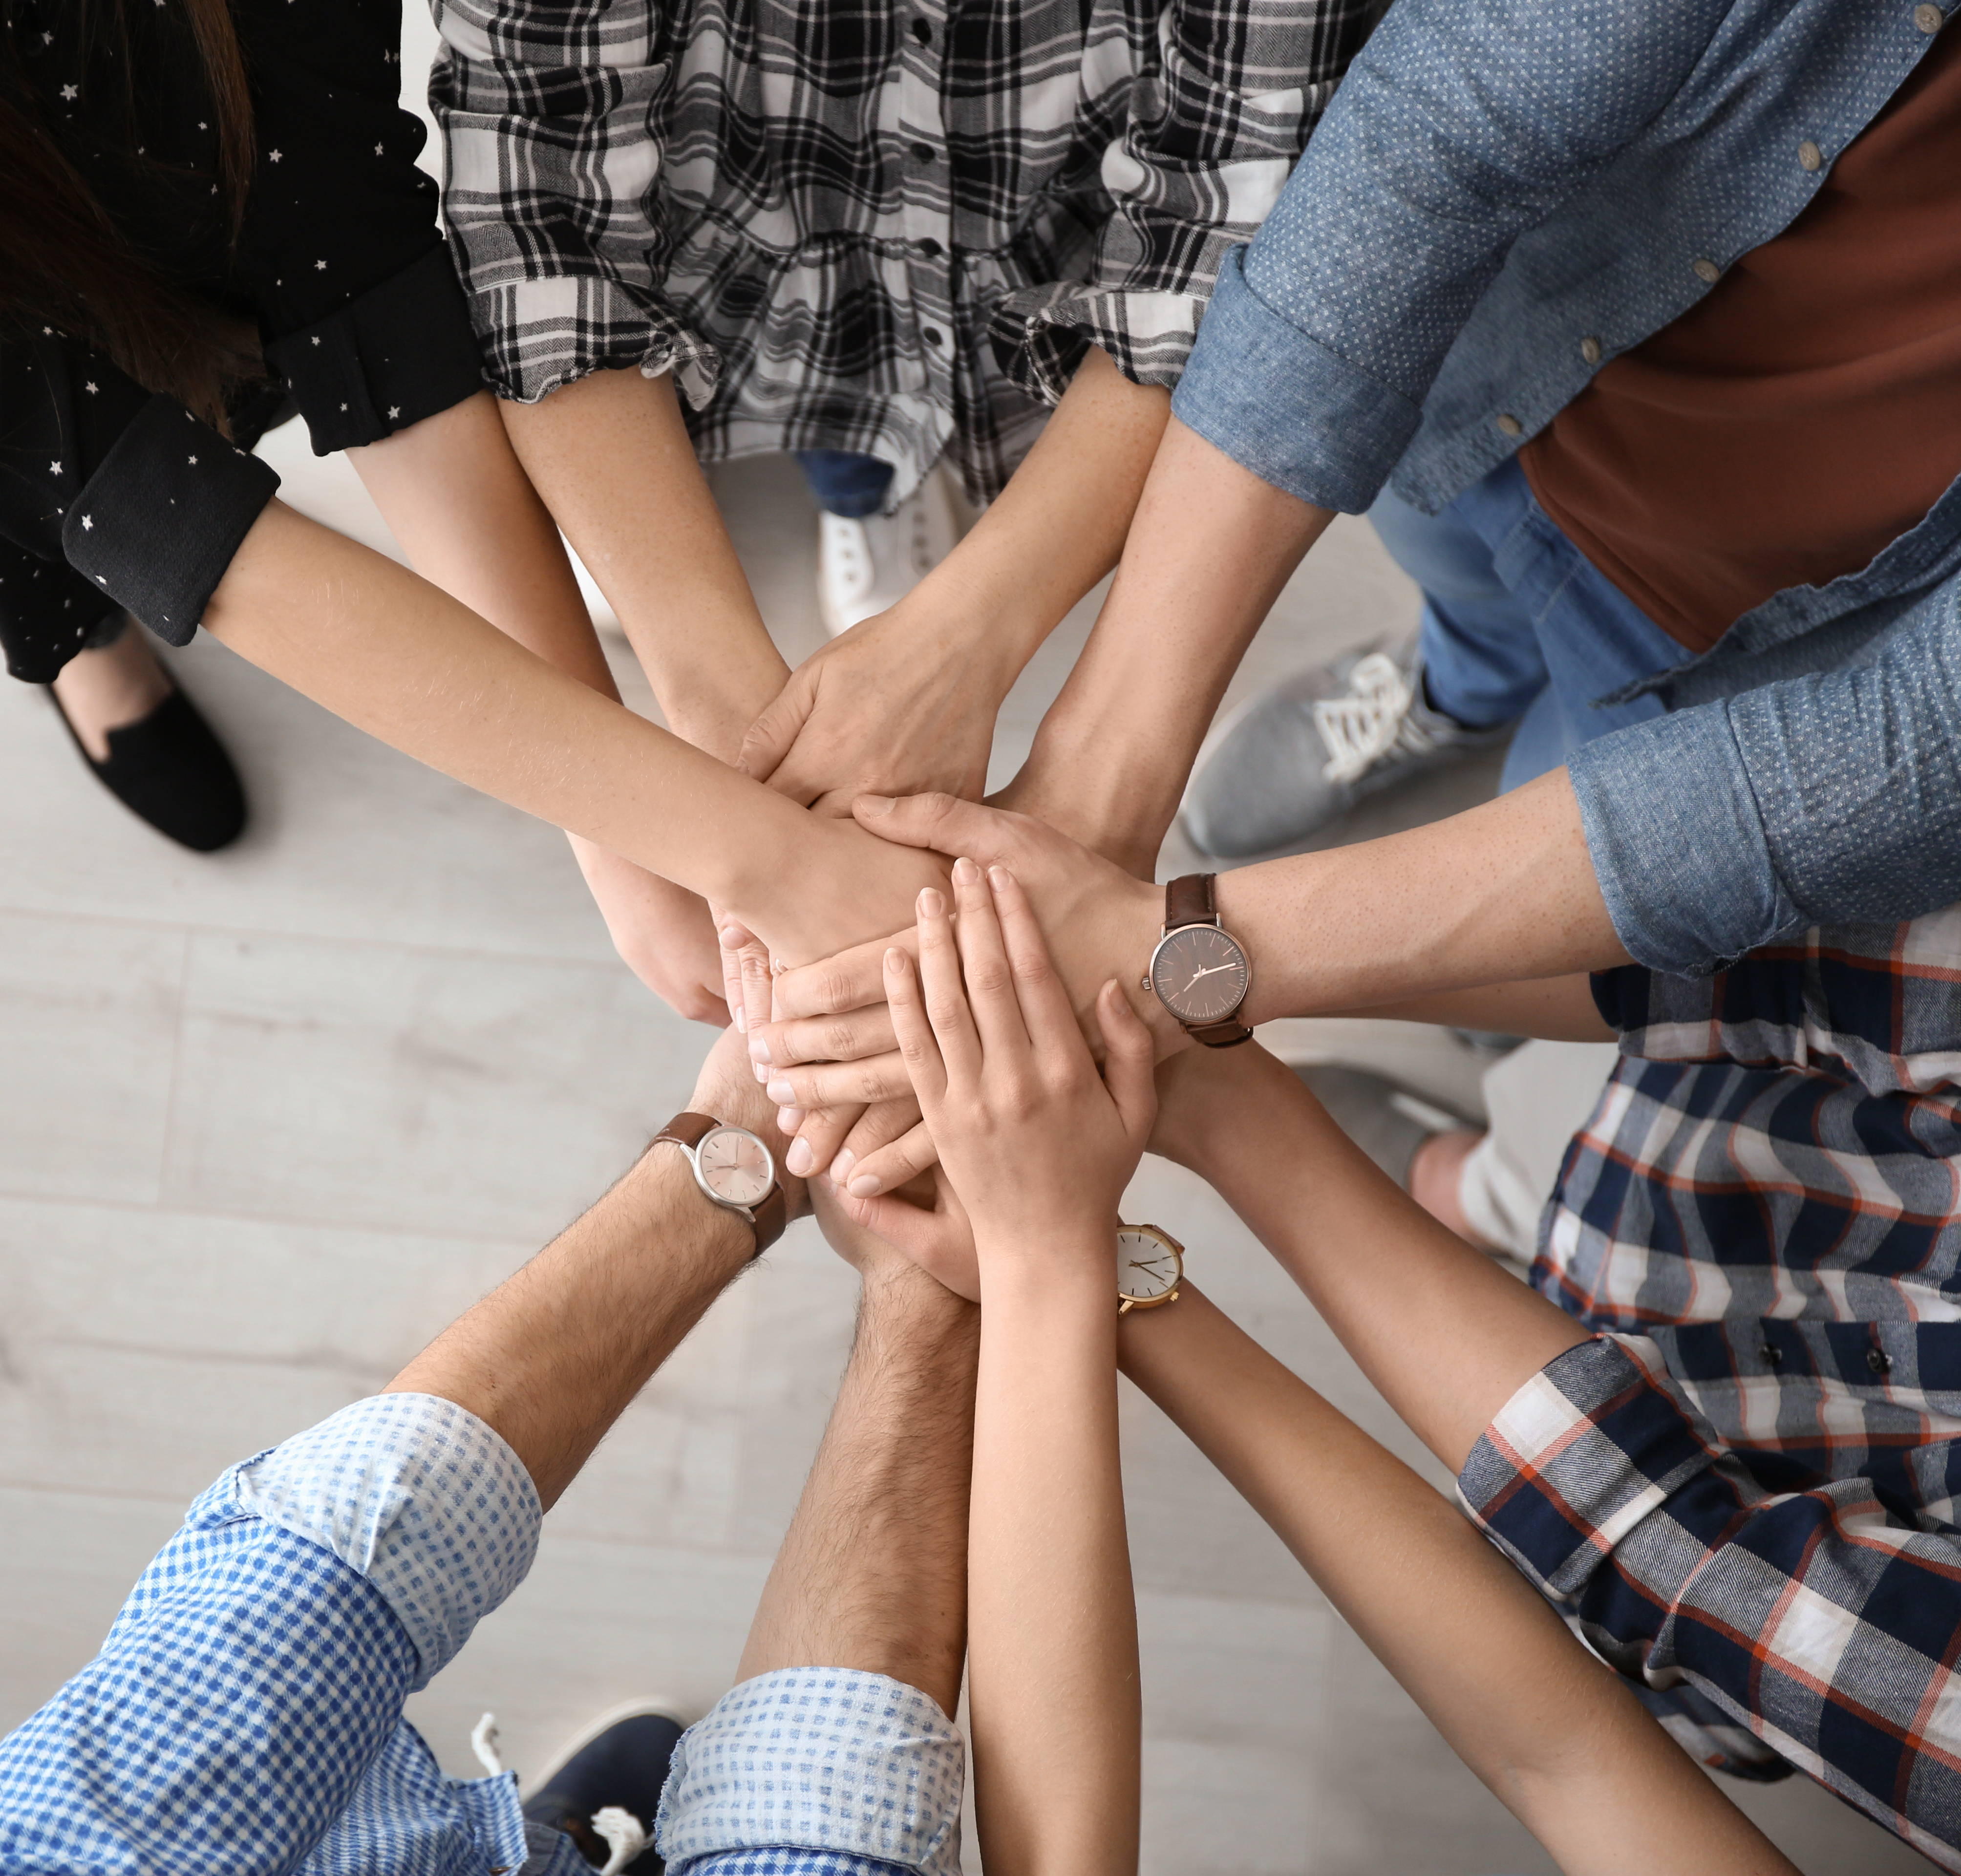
245,1711
1503,196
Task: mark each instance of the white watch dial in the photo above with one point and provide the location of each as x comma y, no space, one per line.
1147,1264
735,1165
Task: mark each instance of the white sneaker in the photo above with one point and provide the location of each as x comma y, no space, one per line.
864,566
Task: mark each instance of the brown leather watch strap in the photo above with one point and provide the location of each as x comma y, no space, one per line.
1189,900
689,1130
769,1217
1227,1034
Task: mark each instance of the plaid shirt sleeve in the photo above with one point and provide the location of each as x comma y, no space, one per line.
554,123
1207,134
1826,1621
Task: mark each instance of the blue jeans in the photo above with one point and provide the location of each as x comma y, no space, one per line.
843,483
1518,625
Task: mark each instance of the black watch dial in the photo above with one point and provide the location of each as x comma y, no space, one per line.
1199,975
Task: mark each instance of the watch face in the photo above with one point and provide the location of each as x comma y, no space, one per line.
1199,974
735,1166
1147,1263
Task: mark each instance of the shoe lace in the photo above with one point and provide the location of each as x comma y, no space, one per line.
1373,720
625,1836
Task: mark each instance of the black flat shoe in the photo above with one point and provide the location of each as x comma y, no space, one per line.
168,768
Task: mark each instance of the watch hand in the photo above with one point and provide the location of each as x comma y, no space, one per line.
1211,970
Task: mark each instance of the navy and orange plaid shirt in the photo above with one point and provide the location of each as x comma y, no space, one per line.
1745,1489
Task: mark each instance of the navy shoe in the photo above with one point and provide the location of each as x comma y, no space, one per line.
617,1764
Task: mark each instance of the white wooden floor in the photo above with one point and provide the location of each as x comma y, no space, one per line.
269,1120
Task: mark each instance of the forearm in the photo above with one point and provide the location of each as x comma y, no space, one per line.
614,462
554,1354
1052,1646
1446,1334
1558,1008
453,492
1547,1728
872,1574
1207,554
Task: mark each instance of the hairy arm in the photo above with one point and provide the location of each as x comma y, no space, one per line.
1553,1732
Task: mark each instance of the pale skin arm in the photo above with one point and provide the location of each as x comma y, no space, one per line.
553,1355
457,500
397,658
1551,1731
907,700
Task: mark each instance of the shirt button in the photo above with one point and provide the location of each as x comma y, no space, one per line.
1708,271
1875,1358
1589,350
922,153
1930,19
930,248
1809,156
1771,1355
931,334
922,31
1509,424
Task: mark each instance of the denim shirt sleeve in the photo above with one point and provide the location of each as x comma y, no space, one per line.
1825,799
1460,125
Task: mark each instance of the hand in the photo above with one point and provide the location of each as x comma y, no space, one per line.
726,1088
661,930
1202,1092
902,702
877,1258
1038,1147
939,1236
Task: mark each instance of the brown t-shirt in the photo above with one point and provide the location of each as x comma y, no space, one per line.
1806,412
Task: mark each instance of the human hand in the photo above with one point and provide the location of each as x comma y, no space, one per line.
938,1237
903,702
726,1088
1203,1093
661,930
879,1257
1037,1145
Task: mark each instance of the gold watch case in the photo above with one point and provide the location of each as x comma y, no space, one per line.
1150,1266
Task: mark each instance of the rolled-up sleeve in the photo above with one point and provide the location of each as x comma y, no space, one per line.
1457,127
1215,124
554,125
1825,1621
1826,800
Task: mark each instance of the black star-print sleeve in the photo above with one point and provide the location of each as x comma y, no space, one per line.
110,498
341,250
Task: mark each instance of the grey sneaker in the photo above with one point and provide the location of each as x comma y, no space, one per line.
1287,762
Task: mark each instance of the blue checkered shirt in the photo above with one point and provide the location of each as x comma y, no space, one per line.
245,1712
1747,1487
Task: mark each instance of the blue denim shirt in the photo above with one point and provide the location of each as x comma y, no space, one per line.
1497,182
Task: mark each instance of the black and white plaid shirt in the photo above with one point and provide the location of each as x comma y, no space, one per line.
863,224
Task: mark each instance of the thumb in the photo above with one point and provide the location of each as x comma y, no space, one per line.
1129,1061
943,822
772,734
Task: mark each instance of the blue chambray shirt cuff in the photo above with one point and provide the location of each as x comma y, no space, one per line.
1677,840
827,1760
422,1498
1589,1447
1282,405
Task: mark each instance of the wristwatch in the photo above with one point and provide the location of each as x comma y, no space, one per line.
1199,970
734,1168
1150,1264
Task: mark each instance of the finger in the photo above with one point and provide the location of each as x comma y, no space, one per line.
1129,1052
891,1167
849,980
943,822
925,1066
983,964
849,1038
745,972
944,993
938,1241
772,734
838,1084
819,1133
1044,1005
879,1126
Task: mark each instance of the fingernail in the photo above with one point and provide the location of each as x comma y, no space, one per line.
788,1119
842,1161
874,805
930,903
799,1159
865,1186
742,1020
999,875
895,960
760,1071
965,872
780,1091
759,1048
732,937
